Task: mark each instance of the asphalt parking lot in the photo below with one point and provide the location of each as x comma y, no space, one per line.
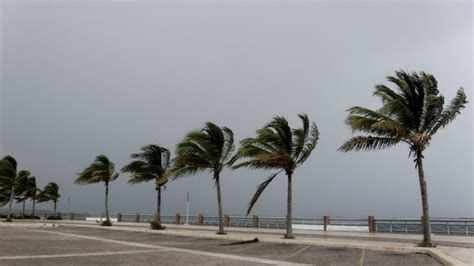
91,246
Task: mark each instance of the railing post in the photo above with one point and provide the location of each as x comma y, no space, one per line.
326,222
201,219
71,216
86,215
226,220
102,216
371,223
255,221
178,218
137,218
119,217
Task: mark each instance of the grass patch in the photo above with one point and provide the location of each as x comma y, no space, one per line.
156,225
8,220
54,217
106,223
288,236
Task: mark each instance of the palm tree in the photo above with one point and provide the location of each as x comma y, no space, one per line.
8,179
151,163
101,170
209,149
279,147
410,114
50,193
33,192
23,188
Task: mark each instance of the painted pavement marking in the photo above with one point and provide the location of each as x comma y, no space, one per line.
165,248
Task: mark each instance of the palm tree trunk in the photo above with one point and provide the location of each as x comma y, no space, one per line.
158,203
424,200
33,208
107,200
219,203
23,210
289,215
55,207
9,216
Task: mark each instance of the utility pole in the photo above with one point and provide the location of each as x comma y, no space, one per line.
187,208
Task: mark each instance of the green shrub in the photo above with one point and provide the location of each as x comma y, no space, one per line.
8,220
156,225
106,223
424,244
54,217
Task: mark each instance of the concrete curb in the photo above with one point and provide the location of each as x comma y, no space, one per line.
433,252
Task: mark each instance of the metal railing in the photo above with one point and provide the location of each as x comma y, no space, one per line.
441,226
444,226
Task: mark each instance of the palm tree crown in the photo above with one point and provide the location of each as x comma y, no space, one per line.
50,193
209,149
101,170
411,114
151,164
278,147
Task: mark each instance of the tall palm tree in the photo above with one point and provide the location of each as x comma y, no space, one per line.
279,147
151,163
209,149
50,192
101,170
8,179
410,114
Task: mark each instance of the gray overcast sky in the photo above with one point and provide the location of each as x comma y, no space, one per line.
81,78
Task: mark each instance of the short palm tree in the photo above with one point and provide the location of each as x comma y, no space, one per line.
209,149
410,114
8,180
279,147
50,192
23,189
101,170
33,192
151,164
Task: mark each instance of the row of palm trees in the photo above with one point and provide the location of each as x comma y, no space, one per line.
412,113
20,185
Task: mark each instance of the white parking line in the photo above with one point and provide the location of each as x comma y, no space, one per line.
164,248
79,254
362,258
298,252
